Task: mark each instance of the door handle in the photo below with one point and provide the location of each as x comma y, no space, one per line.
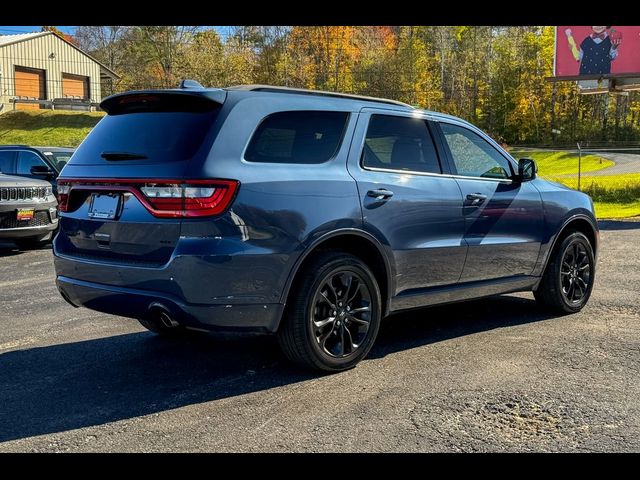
380,194
475,199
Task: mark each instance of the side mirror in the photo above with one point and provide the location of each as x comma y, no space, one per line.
42,171
527,169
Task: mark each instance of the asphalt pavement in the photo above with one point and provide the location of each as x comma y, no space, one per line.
625,163
498,374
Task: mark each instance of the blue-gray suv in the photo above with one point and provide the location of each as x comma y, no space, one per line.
307,214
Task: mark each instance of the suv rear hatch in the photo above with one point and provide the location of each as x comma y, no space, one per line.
123,194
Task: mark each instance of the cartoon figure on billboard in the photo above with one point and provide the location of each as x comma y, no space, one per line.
596,51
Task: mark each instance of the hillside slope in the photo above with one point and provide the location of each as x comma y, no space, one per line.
45,127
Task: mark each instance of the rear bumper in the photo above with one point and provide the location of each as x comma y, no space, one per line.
134,303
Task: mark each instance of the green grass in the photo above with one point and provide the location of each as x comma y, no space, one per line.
56,128
611,188
552,163
617,210
614,196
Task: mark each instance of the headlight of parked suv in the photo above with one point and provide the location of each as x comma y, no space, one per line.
49,191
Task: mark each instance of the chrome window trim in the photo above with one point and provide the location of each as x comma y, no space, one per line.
444,175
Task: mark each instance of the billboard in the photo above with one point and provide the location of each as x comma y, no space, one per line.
590,52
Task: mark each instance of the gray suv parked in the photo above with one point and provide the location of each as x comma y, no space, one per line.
44,163
312,215
28,215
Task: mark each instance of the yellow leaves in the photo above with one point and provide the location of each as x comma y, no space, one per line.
493,76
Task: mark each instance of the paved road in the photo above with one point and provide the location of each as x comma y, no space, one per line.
625,163
492,375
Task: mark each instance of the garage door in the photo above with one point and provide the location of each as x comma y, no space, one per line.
29,83
75,86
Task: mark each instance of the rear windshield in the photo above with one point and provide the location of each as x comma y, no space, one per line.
158,136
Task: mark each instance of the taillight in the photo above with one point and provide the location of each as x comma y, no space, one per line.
201,198
163,198
63,196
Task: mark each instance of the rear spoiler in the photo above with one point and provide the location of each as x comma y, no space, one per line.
170,100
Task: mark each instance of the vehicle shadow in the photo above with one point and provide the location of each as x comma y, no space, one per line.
9,249
618,225
73,385
425,326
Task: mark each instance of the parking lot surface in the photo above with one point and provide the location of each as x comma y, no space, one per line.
497,374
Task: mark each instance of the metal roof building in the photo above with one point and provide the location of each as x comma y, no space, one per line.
42,66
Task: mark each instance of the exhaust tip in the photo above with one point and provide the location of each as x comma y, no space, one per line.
161,314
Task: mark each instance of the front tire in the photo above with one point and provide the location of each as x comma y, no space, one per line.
333,317
568,280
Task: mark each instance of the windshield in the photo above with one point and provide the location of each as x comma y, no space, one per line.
58,159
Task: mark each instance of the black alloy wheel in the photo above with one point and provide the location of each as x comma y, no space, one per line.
567,282
333,314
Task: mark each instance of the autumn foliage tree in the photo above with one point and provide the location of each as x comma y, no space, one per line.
493,76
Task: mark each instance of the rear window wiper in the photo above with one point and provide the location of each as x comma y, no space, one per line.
122,156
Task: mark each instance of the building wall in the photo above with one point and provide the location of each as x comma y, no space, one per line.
35,53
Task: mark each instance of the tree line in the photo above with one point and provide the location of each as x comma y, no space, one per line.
492,76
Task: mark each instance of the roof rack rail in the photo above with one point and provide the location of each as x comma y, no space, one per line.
304,91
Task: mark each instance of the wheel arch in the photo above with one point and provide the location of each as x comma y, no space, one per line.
355,242
579,222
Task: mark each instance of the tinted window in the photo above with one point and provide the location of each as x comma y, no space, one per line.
6,161
297,137
58,159
160,136
472,155
26,160
399,143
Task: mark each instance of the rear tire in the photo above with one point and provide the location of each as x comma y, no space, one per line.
567,282
333,316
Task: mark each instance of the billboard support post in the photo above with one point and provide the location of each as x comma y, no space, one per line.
579,164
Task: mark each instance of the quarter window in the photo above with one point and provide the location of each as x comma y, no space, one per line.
302,137
472,155
399,143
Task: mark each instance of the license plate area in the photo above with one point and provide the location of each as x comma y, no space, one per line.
24,214
105,206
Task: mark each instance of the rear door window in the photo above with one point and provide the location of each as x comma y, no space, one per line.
302,137
26,160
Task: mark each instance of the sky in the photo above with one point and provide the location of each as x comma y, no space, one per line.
12,30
